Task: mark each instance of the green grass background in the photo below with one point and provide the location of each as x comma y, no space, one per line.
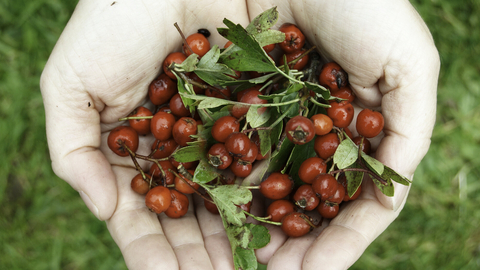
45,225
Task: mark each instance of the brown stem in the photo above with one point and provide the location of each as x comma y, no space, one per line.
183,37
255,129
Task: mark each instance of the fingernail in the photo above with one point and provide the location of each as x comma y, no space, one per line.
401,194
93,208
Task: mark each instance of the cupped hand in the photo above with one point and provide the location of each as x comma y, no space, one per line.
98,72
393,66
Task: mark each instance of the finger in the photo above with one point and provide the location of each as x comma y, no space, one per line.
349,234
186,239
214,236
291,254
136,230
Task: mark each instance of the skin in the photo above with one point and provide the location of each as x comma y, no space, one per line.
110,51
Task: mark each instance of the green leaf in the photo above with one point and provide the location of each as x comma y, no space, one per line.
298,155
269,37
263,21
242,235
389,173
260,236
211,102
290,110
210,71
373,164
319,90
354,180
227,198
280,156
189,153
255,119
244,259
186,88
265,142
189,64
205,172
387,189
249,56
346,154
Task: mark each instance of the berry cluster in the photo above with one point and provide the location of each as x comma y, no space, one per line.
220,112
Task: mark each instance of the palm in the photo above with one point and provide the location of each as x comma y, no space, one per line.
108,54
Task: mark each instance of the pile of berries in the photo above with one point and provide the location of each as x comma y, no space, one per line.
234,146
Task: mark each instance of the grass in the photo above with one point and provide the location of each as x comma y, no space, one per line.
45,225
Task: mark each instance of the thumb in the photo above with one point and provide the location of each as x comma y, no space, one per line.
74,137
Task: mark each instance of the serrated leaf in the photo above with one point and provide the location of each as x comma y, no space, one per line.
189,64
210,71
346,154
227,198
205,172
389,173
244,259
373,164
255,119
189,153
260,236
263,21
241,235
354,180
249,56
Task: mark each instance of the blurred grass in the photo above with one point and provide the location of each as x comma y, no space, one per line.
45,225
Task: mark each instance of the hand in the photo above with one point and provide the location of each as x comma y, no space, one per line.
393,65
98,72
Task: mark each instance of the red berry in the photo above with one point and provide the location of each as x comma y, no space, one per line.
158,199
344,93
294,38
341,113
328,210
333,76
325,185
177,107
223,127
179,205
175,57
276,186
241,169
250,97
198,43
343,181
295,224
184,185
369,123
162,89
310,168
162,125
322,123
300,64
166,176
279,208
237,144
140,185
183,129
300,130
122,137
306,198
326,145
218,156
163,149
141,126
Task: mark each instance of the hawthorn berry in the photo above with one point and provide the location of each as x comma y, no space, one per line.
341,113
369,123
276,186
322,123
198,44
161,89
237,144
326,145
179,205
158,199
328,210
122,137
183,129
310,168
177,107
162,125
175,57
300,130
294,38
280,208
333,76
218,156
223,127
295,224
141,126
140,185
306,198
